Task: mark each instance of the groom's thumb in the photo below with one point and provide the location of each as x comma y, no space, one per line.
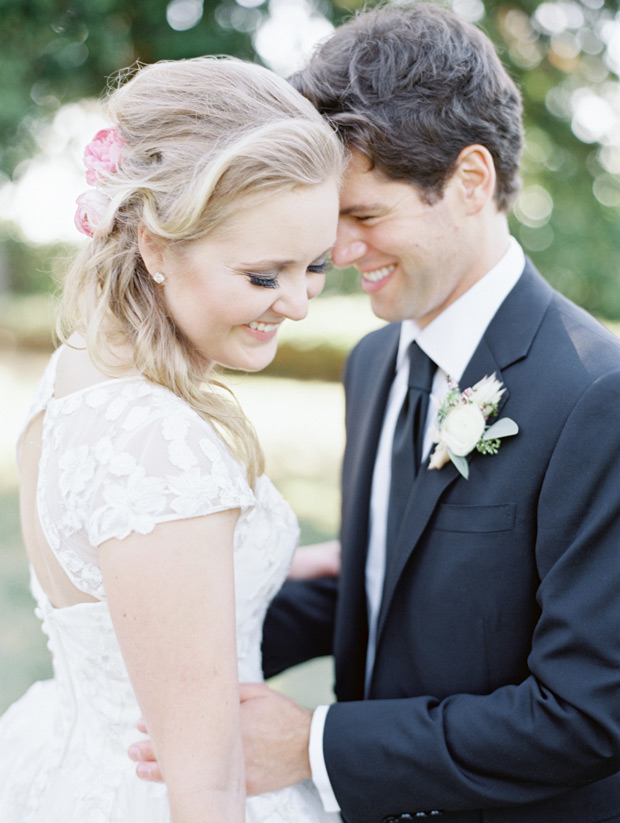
250,691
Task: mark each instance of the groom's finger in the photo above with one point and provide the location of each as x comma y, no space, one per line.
141,751
147,768
150,772
248,691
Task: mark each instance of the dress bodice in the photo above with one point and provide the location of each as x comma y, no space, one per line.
125,455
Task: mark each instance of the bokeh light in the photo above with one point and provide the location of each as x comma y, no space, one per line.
288,35
184,14
534,206
41,200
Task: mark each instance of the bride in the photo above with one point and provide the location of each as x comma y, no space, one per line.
155,540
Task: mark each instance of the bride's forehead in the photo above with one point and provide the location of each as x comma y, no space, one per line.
290,226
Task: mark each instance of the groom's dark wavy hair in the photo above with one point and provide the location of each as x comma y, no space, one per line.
411,85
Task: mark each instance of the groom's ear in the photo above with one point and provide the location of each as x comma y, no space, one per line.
475,172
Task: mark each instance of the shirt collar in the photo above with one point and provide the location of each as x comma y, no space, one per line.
453,336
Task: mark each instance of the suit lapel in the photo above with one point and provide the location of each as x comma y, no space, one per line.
352,628
506,340
360,470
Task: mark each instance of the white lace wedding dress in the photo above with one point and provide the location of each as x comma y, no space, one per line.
118,457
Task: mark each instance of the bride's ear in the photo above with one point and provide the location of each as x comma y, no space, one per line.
151,250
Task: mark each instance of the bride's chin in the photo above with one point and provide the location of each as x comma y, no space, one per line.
256,360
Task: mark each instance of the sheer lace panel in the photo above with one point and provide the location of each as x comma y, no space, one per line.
121,457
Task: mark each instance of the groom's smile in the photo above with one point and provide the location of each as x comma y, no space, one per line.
373,280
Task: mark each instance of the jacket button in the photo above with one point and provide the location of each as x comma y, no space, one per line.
390,819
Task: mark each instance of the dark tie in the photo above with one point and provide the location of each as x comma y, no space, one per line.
408,440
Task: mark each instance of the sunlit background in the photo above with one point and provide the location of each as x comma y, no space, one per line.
54,66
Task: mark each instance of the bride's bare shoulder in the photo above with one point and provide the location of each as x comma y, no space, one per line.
75,369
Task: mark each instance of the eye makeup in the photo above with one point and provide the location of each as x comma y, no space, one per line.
269,280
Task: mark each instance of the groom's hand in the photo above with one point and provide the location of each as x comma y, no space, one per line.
276,734
143,754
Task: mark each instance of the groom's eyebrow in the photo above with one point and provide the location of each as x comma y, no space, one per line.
362,208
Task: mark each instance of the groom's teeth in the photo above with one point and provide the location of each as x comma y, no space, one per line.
378,274
263,326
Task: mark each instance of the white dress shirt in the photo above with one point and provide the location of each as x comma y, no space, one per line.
450,341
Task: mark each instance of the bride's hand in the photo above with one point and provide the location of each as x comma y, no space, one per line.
317,560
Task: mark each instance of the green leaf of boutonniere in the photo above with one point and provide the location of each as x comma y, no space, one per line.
502,428
461,464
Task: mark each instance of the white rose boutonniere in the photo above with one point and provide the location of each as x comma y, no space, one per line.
462,424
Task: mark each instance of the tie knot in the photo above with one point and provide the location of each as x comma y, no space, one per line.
421,369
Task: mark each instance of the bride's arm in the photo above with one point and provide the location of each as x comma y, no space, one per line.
171,597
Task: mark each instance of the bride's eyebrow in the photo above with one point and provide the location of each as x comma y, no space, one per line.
267,264
280,264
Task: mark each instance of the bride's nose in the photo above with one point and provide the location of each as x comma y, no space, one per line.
293,298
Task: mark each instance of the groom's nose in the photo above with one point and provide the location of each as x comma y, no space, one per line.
349,248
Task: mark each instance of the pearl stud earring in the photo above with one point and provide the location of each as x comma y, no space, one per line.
159,278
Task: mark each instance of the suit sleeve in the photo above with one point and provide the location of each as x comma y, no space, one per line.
299,624
560,727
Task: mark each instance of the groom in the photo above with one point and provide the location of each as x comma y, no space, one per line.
476,623
478,652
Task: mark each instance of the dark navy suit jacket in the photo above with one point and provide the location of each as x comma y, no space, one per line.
495,694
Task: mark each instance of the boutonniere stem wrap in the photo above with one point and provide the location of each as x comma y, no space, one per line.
462,424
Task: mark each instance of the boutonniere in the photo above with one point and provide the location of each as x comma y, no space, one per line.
462,424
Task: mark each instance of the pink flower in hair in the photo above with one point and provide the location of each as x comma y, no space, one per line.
91,208
102,155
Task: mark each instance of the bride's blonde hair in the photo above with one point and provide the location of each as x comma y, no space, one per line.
201,138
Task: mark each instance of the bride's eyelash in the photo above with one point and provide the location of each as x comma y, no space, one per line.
267,282
319,268
260,280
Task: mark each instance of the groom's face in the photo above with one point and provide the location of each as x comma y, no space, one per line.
412,256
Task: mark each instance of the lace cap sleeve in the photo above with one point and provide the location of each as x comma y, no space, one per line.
158,461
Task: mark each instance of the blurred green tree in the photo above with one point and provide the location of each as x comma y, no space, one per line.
56,51
564,54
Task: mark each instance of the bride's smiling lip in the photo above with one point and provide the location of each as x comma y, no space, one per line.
261,330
